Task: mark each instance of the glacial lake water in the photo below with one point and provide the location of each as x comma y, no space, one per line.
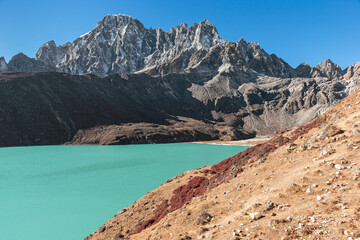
67,192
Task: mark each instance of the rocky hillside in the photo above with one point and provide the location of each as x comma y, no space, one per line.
120,44
55,108
302,184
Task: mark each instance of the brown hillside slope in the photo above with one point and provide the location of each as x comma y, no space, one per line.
310,176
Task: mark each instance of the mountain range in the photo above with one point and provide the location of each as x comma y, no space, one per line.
120,44
122,83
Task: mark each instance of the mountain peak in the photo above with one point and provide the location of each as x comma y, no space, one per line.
329,69
184,25
3,64
207,22
242,40
117,20
254,45
51,43
116,16
20,55
328,61
304,64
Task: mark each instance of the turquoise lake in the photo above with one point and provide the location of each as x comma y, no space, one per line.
67,192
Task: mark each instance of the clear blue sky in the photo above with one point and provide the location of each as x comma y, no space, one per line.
295,30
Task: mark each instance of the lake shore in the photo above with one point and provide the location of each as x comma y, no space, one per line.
246,142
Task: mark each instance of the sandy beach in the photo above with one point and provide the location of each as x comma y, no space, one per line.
246,142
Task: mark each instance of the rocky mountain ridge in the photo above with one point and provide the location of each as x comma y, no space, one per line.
56,108
120,44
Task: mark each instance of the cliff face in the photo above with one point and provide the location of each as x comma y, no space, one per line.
302,183
54,108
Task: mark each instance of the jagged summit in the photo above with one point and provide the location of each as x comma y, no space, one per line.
329,69
118,14
326,69
120,44
119,19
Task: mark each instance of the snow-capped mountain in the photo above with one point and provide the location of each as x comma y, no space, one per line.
120,44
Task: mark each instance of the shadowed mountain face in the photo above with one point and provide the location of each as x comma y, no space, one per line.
54,108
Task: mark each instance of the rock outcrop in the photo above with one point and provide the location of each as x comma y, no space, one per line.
353,71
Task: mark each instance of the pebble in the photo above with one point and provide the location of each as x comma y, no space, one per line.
323,153
269,205
243,214
255,216
338,166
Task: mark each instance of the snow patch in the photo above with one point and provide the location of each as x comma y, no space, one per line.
85,34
